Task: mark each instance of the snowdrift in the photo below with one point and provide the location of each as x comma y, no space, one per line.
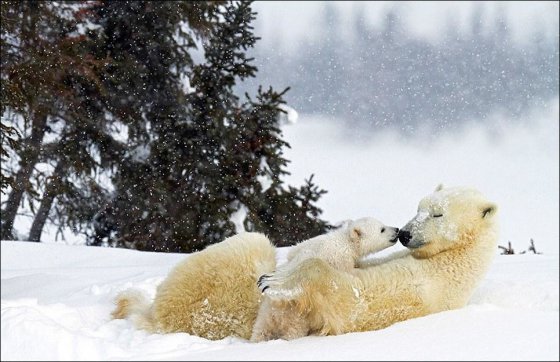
56,301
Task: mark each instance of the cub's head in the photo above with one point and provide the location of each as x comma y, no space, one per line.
370,235
448,218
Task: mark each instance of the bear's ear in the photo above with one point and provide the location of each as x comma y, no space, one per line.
439,187
488,210
355,233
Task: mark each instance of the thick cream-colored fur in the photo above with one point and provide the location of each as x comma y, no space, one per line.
341,249
211,294
450,255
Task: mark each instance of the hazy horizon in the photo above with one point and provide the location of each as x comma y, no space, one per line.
427,19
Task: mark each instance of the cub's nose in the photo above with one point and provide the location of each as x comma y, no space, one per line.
396,233
404,237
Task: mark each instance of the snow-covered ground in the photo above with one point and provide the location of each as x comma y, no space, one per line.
56,301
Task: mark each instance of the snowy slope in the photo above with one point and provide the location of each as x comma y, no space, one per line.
56,301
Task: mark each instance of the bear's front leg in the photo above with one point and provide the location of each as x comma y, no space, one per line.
289,283
328,298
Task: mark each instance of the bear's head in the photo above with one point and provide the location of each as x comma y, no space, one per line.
448,218
369,235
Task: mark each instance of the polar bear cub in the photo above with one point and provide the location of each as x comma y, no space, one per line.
341,248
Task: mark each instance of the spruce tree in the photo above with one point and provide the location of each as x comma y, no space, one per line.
208,155
50,81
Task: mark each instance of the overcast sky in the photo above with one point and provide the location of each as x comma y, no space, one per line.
288,21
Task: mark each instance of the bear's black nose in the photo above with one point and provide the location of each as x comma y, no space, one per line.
404,237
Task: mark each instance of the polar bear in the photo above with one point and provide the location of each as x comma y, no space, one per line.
341,249
452,241
214,294
211,293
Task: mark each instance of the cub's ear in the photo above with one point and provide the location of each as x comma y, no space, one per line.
439,187
355,233
488,210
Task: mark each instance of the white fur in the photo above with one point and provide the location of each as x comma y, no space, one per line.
343,247
452,239
213,293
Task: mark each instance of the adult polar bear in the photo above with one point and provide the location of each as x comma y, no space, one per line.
214,293
453,239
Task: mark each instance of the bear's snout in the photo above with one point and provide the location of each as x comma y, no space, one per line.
396,233
404,237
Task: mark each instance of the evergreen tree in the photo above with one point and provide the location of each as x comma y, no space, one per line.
52,83
9,143
208,155
151,53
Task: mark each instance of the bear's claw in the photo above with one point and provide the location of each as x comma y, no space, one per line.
273,285
262,279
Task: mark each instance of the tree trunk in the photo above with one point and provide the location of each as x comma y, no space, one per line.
28,161
51,191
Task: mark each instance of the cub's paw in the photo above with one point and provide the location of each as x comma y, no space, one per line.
278,286
261,282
